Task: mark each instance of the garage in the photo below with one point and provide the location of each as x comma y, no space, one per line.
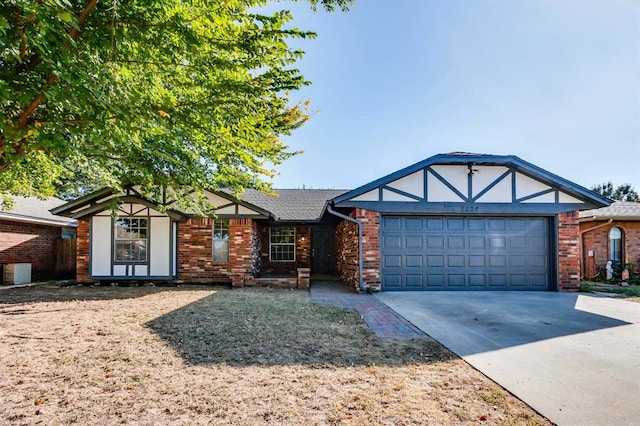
459,222
464,253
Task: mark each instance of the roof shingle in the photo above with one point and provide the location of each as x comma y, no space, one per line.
618,210
293,204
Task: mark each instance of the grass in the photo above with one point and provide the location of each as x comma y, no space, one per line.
195,355
630,292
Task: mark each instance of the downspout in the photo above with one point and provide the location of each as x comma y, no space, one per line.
609,222
361,285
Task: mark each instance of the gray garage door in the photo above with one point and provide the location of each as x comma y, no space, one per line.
465,253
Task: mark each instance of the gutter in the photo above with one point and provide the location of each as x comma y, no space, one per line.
361,285
602,225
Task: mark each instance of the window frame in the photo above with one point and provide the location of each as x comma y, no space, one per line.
620,246
138,228
273,245
224,226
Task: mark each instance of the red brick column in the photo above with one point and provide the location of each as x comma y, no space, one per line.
241,250
568,252
347,253
82,252
370,247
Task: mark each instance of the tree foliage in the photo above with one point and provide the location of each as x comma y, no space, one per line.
161,93
624,192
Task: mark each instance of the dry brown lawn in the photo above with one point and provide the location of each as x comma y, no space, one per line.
202,355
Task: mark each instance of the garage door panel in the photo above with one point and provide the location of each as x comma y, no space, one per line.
392,242
455,224
435,242
435,261
392,261
413,242
456,280
477,280
414,224
465,253
393,281
414,281
413,261
475,261
456,242
435,281
477,242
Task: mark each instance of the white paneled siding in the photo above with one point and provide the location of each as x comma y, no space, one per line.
565,198
483,176
455,175
160,247
526,186
368,196
439,192
101,246
500,193
412,184
394,196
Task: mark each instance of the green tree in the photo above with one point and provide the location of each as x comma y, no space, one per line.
624,192
162,93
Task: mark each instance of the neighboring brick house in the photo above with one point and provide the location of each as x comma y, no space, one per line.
451,222
28,234
610,233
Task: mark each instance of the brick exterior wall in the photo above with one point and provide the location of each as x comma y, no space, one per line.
347,252
303,253
347,249
568,252
22,242
195,252
370,247
82,252
598,242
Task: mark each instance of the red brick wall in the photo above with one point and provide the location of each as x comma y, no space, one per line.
347,252
568,252
347,249
22,242
370,247
303,253
195,251
598,241
82,252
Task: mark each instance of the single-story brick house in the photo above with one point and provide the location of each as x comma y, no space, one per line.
451,222
28,232
610,233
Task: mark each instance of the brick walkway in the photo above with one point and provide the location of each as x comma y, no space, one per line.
382,320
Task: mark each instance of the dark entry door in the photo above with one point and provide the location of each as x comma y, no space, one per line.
323,250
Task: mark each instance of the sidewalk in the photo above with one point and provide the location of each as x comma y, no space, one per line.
382,320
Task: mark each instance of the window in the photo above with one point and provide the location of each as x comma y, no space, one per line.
221,241
282,244
130,239
615,246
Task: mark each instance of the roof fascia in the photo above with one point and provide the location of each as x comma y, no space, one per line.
67,208
510,161
243,203
176,215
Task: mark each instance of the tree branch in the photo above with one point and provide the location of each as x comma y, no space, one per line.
28,111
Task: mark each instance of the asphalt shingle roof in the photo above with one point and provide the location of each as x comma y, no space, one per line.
35,210
293,204
619,209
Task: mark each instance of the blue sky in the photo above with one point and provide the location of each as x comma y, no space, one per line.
554,82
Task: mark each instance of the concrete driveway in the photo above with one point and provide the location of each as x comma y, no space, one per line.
574,358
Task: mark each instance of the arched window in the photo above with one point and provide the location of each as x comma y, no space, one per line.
615,246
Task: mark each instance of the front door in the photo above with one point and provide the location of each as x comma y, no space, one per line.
323,251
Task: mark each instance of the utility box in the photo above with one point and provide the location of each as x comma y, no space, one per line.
17,273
